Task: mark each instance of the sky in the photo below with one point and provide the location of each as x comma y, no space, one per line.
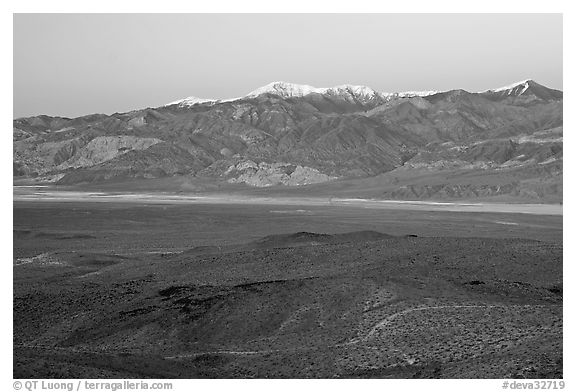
76,64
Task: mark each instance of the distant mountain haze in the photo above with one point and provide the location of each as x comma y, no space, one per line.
503,144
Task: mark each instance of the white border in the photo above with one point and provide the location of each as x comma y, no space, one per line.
357,6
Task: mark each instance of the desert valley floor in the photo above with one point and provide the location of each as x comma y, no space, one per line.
193,290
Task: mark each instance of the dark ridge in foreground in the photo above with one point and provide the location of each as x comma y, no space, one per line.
304,238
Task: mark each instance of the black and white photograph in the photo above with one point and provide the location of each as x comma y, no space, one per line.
286,196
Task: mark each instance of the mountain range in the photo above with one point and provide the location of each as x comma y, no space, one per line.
502,144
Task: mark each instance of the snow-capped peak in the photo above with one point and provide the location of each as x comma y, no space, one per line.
190,101
288,90
411,94
351,89
283,89
523,85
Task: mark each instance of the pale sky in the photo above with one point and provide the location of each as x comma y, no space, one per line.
76,64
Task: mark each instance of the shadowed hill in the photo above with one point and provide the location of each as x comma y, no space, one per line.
306,239
293,240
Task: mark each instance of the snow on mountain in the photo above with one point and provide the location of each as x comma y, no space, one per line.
347,89
523,84
190,101
290,90
528,90
284,89
410,94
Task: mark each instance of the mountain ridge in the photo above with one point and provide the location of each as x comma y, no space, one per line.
294,136
289,90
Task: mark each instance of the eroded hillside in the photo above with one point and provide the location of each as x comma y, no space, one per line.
498,143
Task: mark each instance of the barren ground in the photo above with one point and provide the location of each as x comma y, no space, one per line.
140,289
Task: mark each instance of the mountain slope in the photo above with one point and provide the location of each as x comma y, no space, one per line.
329,134
525,91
